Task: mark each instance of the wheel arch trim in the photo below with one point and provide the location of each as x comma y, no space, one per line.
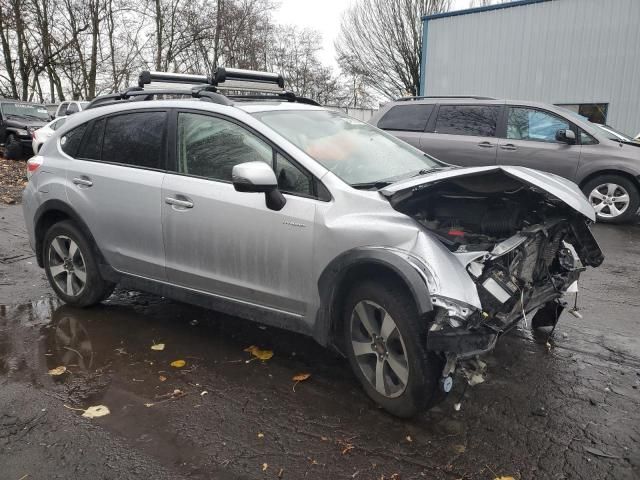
49,207
338,269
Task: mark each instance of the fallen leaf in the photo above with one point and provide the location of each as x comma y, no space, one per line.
178,363
599,453
301,377
96,411
409,439
148,405
504,478
58,370
162,378
260,435
260,354
158,347
264,467
459,448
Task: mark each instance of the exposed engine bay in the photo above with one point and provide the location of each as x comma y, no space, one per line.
530,246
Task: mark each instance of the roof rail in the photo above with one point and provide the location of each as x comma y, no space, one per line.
474,97
268,86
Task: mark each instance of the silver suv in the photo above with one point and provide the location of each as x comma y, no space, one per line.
472,131
279,211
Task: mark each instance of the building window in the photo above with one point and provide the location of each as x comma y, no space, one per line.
594,112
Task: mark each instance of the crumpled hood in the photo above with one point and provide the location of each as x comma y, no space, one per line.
559,187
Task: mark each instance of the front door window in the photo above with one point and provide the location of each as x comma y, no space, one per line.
532,124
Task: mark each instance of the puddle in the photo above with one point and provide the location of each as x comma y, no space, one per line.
250,414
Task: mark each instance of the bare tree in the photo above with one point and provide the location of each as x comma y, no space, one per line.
382,39
57,49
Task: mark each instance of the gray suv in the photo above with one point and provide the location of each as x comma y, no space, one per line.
472,131
273,209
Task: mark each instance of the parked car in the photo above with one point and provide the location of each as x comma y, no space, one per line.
18,121
42,134
472,131
70,107
276,210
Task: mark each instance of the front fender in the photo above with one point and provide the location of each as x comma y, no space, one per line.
400,262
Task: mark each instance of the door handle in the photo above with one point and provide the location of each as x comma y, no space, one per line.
508,146
485,144
83,181
178,202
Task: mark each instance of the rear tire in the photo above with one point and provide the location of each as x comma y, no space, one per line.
385,341
70,262
621,194
13,148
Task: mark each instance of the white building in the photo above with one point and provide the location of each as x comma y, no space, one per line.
582,54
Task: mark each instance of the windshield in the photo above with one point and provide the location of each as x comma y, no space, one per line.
356,152
27,110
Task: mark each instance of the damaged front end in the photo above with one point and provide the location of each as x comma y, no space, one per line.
522,238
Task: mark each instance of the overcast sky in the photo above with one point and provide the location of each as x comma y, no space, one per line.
324,16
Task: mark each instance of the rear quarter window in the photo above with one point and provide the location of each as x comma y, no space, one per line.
412,118
70,141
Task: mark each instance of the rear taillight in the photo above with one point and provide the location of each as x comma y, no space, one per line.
33,165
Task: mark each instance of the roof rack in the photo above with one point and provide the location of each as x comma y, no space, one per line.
474,97
266,85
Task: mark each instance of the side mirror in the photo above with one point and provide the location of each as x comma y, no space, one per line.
258,177
566,136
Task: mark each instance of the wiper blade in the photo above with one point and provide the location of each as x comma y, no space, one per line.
426,171
371,185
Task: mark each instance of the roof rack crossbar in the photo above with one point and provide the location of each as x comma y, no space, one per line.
288,96
475,97
266,85
134,92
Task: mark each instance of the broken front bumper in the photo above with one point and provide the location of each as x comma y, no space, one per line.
461,342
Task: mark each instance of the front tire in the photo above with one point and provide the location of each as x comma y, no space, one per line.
71,266
385,342
614,198
13,148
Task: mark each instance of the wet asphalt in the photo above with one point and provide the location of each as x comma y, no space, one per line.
563,411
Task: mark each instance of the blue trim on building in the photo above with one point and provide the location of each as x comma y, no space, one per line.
423,57
425,29
488,8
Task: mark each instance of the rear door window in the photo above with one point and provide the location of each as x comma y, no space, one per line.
412,118
475,120
136,139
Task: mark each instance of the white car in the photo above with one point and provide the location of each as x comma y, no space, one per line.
42,134
68,108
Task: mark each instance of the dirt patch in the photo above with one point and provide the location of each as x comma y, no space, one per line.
13,178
